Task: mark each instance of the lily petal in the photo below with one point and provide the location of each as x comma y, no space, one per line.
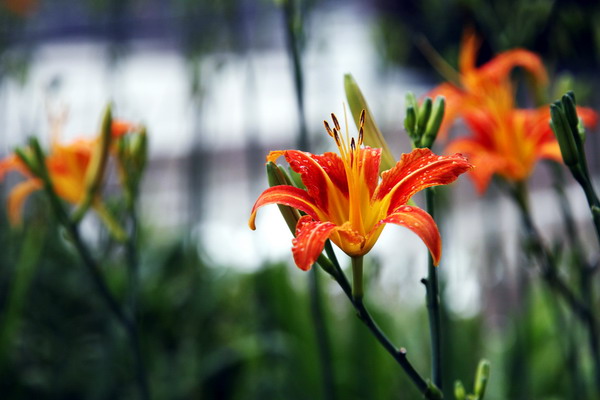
17,198
416,171
421,223
310,240
486,162
287,196
500,66
323,175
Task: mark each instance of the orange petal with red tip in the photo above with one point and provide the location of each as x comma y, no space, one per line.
370,160
310,240
588,116
499,67
12,163
287,196
120,127
421,223
322,175
17,198
485,163
416,171
469,47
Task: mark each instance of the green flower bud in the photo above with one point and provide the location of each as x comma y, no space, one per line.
434,123
481,378
372,135
423,116
459,391
564,135
410,122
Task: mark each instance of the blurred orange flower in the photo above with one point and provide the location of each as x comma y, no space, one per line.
475,82
346,202
67,165
508,141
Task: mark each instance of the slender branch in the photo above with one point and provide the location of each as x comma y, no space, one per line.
93,269
553,279
322,336
399,354
433,305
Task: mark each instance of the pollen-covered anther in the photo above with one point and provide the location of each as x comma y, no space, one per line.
336,122
362,118
336,136
329,131
361,135
353,145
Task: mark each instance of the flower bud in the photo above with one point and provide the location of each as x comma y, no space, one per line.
564,135
459,391
481,378
434,123
372,135
423,116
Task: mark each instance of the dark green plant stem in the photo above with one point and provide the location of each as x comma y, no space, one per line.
585,182
553,279
293,25
293,19
433,304
94,271
363,314
322,336
578,261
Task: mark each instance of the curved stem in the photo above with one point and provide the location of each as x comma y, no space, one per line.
94,271
399,354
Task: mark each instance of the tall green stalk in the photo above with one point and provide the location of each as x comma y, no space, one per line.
551,276
428,390
93,268
433,304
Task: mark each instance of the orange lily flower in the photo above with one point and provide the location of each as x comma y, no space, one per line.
346,202
509,141
474,82
67,165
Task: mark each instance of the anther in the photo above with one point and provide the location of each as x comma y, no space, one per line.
328,128
361,135
362,118
335,122
336,137
352,144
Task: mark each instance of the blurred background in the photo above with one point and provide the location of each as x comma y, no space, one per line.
223,311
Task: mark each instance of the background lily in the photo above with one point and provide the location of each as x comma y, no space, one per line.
472,83
506,140
67,165
346,202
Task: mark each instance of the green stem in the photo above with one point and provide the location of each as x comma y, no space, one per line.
321,335
433,304
292,16
553,279
357,278
94,271
590,194
427,390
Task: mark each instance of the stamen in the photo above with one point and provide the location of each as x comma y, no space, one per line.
362,118
328,128
361,134
335,122
353,145
336,136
